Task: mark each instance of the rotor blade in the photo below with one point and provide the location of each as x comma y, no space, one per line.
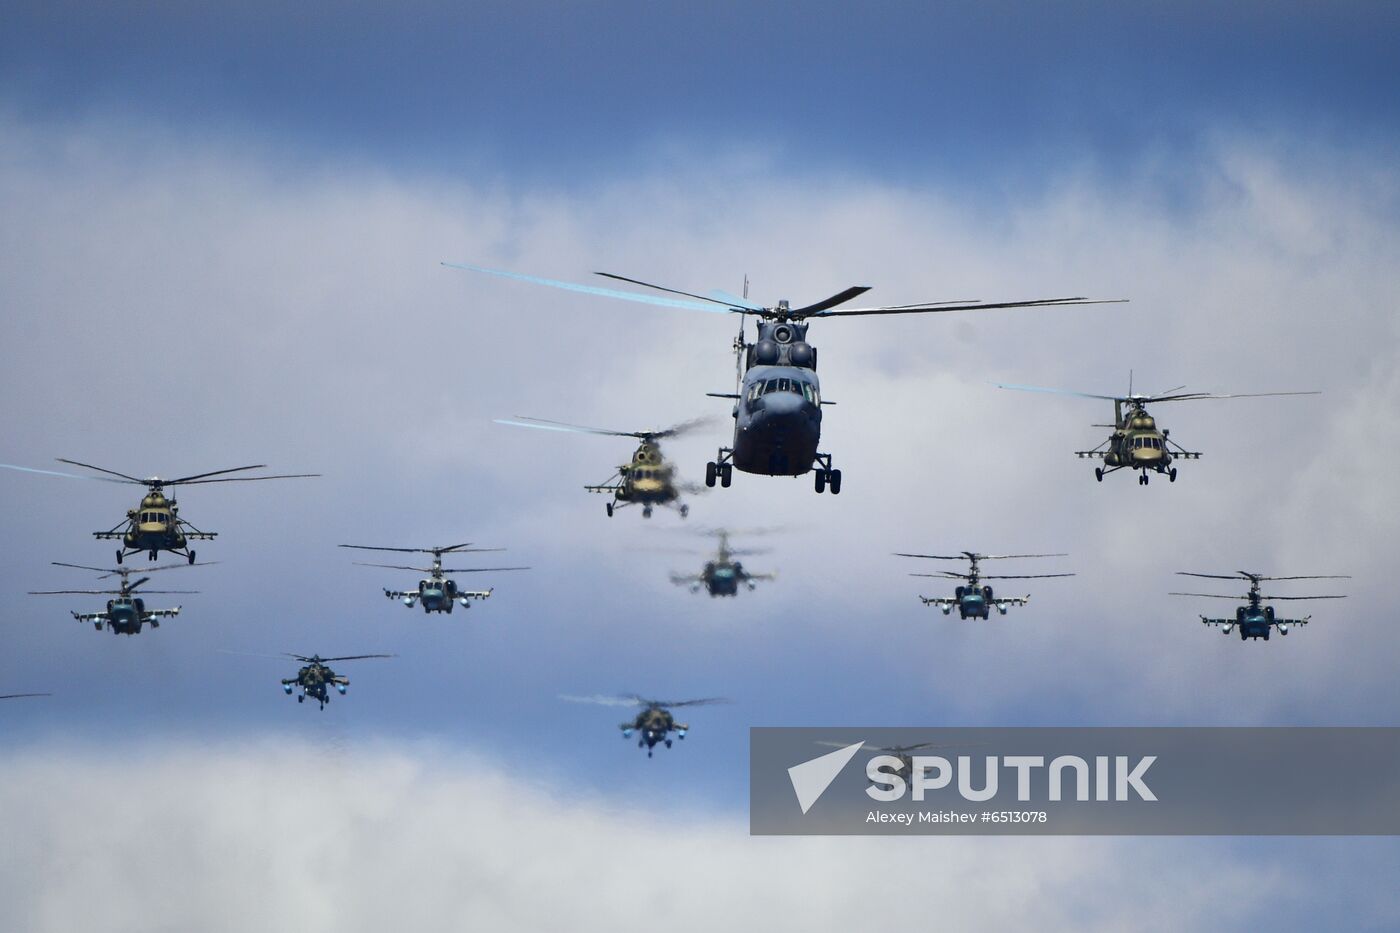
684,427
714,307
1029,576
521,421
1021,388
734,301
401,550
706,701
167,592
1193,396
931,556
359,657
15,696
105,479
240,479
395,567
74,593
673,291
463,548
1213,576
839,298
123,571
109,571
1212,596
944,575
482,569
930,307
602,700
133,586
1271,598
1326,577
1011,556
186,479
248,654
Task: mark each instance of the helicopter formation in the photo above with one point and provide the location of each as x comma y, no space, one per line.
777,412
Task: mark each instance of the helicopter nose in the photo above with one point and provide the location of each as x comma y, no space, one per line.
782,405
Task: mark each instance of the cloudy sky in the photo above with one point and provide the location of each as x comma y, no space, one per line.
220,244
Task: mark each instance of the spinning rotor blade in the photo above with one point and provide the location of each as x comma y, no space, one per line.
240,479
932,306
89,466
1271,598
108,571
734,301
944,575
1238,599
839,298
456,548
1213,576
74,593
167,592
703,304
395,567
603,700
481,569
1327,577
105,479
675,291
15,696
1193,396
359,657
256,466
706,701
1021,388
1029,576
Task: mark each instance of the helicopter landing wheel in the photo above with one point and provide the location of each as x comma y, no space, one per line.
301,699
726,474
1142,480
191,557
834,478
646,511
820,481
119,556
1098,474
710,474
1171,475
668,743
685,510
610,510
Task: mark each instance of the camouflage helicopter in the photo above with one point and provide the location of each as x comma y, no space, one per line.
127,612
438,592
1136,443
653,723
722,574
777,403
155,525
1255,620
648,480
902,752
315,678
973,601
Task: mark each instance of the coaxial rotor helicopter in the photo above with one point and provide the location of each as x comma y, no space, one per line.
126,613
316,678
777,402
438,592
155,525
654,722
722,575
1255,620
971,600
648,480
1136,442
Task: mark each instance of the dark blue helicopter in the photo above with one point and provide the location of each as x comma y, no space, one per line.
1255,620
777,407
971,600
438,592
126,612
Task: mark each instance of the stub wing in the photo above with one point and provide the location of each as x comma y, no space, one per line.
402,594
90,616
473,594
1093,454
162,613
604,488
942,602
681,579
1002,603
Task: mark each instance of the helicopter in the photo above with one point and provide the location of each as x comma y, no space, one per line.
155,525
648,480
316,677
438,592
777,401
1255,620
972,601
1136,443
722,575
127,613
654,723
902,752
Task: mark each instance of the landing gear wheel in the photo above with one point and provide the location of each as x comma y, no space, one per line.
301,699
668,743
685,510
1266,634
610,510
119,556
710,474
835,479
646,511
1098,474
1171,475
191,557
820,482
726,474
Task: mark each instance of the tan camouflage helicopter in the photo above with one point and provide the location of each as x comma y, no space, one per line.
648,480
1136,442
155,525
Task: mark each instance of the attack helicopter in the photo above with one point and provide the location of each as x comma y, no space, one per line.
1255,620
777,400
648,480
437,592
315,678
971,600
1136,442
654,722
126,613
902,752
155,525
722,574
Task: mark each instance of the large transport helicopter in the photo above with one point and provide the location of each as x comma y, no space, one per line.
654,722
777,403
1136,442
316,677
155,525
973,599
126,612
722,575
648,480
438,592
1254,619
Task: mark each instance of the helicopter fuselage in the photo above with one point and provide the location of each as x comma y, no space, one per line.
315,681
653,727
777,421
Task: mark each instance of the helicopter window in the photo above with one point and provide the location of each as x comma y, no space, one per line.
772,386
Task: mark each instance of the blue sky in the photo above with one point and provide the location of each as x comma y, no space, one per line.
264,199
